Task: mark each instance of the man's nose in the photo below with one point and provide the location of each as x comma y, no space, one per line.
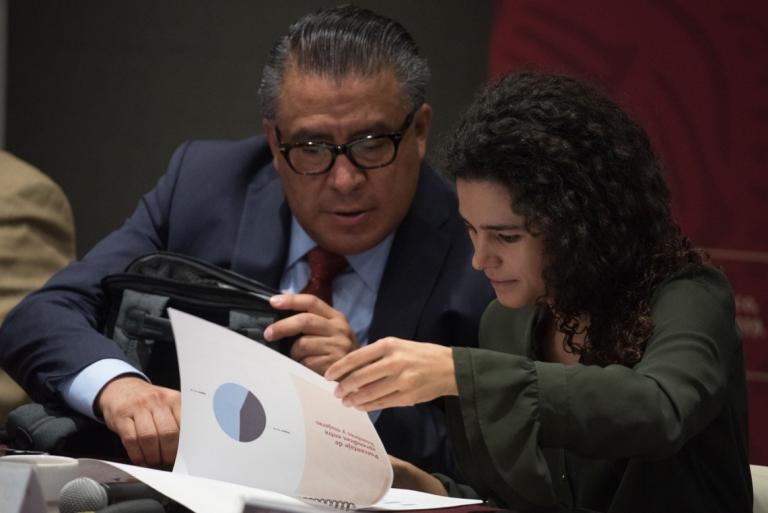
344,175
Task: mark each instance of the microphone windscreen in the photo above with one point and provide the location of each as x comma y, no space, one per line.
82,494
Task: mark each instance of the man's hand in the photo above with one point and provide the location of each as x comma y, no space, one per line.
145,417
394,372
324,333
411,477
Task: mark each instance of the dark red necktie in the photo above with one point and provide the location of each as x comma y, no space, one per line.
324,266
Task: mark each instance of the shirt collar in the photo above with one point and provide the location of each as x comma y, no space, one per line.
368,265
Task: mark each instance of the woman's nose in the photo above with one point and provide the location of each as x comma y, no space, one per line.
482,258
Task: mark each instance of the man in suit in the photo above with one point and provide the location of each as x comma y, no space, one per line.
37,238
339,168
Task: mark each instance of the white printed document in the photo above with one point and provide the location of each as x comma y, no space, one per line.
260,428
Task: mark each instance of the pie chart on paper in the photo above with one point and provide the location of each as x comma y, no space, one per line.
239,412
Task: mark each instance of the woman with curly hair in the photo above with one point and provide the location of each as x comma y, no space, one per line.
610,373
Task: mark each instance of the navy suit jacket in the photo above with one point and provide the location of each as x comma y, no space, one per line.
222,202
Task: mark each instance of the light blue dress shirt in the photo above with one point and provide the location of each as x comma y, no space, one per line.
354,291
354,294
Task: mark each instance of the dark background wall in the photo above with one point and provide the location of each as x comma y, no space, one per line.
100,93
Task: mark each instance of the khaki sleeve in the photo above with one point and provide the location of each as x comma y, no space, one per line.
37,238
36,231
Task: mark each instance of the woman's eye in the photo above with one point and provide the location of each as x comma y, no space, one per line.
508,239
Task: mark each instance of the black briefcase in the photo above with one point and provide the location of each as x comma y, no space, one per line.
138,299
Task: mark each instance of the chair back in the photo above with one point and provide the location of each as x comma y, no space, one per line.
760,488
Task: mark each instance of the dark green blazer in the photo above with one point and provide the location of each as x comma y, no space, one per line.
669,434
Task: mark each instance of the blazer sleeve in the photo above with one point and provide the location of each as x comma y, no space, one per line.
53,333
511,408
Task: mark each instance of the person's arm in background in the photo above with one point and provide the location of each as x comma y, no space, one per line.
52,336
37,238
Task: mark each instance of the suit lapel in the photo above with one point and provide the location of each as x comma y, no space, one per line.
415,261
263,235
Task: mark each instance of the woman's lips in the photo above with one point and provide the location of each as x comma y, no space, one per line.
501,283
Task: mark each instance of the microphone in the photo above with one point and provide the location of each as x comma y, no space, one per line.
85,494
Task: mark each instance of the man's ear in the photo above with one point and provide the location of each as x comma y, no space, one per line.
269,131
422,121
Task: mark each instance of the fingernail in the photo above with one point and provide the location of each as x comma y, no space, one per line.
268,333
276,300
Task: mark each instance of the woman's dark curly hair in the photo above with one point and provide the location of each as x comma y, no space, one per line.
583,175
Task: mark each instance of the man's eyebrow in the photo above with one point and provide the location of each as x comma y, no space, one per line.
377,128
310,135
305,134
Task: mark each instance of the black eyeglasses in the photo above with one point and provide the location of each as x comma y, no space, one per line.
369,152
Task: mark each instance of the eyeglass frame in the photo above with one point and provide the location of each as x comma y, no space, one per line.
337,149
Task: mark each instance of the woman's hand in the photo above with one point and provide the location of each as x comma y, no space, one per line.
394,372
411,477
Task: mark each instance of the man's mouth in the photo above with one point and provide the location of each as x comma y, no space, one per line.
350,217
351,213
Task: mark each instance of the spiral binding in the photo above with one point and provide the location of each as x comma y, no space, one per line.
333,503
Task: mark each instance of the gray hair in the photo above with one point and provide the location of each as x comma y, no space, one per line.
340,41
